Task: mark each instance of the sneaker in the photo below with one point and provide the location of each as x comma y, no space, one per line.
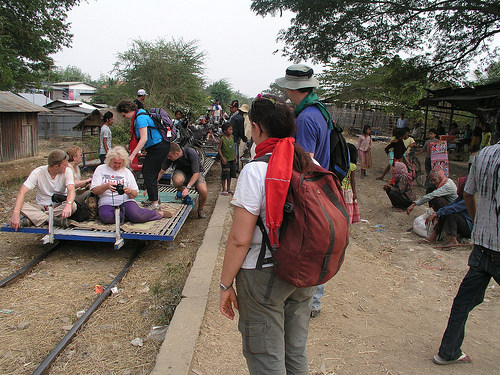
25,222
155,206
315,313
201,214
464,358
61,222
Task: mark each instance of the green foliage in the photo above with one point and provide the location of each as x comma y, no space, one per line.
448,34
30,31
366,80
220,90
274,89
490,75
110,91
70,74
170,72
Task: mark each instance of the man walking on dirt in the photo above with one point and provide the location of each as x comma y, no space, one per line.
313,133
484,260
48,180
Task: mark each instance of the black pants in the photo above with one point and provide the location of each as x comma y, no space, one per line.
398,200
453,225
155,156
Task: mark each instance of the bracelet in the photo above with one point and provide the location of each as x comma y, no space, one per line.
223,287
68,202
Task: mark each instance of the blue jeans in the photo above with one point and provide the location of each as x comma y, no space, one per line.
470,294
320,292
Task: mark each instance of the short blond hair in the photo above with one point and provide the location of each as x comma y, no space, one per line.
72,152
117,152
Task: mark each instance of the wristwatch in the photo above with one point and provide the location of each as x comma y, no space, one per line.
223,287
68,202
188,187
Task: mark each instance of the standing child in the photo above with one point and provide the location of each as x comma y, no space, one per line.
349,186
227,157
427,149
364,148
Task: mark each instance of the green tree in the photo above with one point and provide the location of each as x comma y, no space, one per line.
30,31
110,91
448,33
170,72
71,74
396,83
489,75
220,90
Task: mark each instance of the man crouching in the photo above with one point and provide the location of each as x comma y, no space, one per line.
47,180
188,173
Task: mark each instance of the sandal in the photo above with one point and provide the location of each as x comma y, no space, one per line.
224,193
230,192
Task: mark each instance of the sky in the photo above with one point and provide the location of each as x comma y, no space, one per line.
238,44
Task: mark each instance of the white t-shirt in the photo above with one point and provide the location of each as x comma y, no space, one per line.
217,109
46,186
104,174
250,195
105,133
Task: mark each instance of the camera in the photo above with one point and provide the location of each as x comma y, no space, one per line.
119,189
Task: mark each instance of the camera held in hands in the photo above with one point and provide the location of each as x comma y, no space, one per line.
119,189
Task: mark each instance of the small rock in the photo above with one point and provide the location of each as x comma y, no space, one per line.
42,263
66,320
23,325
182,245
79,314
67,328
137,342
122,301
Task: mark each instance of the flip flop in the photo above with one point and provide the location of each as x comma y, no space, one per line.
464,358
224,193
230,192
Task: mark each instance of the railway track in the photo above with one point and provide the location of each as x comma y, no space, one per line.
11,279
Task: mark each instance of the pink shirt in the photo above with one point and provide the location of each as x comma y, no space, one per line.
364,142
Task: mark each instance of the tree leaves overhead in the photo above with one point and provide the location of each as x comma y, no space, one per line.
170,72
30,31
449,33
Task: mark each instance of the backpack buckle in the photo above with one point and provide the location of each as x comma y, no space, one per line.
288,207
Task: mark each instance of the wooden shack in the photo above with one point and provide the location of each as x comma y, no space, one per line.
18,127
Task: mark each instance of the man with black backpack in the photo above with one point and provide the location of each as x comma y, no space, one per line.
313,129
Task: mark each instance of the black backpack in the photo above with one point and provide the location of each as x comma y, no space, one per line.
339,152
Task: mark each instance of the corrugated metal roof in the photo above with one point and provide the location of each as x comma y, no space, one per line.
10,102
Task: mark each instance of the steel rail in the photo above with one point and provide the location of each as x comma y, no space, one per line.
67,338
15,275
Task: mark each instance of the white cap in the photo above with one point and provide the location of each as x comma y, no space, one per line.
141,92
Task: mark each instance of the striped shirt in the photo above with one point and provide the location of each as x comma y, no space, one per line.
484,179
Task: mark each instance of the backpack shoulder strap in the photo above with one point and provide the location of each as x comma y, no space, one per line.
266,244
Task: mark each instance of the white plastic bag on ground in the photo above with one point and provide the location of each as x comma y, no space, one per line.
419,226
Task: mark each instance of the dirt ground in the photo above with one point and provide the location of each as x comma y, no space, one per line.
386,309
384,313
38,310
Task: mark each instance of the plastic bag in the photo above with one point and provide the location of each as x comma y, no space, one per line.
419,226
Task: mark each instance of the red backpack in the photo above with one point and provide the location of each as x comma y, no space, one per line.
314,233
